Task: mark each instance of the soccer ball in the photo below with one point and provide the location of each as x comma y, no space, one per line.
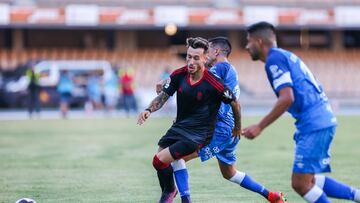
26,200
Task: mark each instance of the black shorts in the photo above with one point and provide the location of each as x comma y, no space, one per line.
179,146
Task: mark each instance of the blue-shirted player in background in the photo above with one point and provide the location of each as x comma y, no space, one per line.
223,145
302,96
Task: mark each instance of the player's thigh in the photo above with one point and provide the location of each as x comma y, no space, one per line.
312,151
191,156
178,145
165,156
183,148
168,139
164,143
222,140
228,154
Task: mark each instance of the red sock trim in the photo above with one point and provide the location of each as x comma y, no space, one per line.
159,164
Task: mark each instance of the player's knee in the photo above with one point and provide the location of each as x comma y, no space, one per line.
300,187
228,171
158,164
227,174
296,186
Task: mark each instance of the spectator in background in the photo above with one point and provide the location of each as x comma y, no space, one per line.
94,89
166,73
127,90
111,92
65,88
33,91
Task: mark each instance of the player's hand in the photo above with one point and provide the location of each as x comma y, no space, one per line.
236,132
252,131
143,116
159,86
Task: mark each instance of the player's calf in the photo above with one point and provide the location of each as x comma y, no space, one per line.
168,197
165,175
181,177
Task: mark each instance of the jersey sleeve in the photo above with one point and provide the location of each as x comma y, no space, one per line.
227,95
228,75
219,71
224,92
171,87
278,72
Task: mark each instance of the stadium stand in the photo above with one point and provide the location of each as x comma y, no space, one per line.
337,71
192,3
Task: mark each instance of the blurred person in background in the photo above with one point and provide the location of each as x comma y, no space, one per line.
65,88
166,73
127,85
94,89
111,92
33,90
299,93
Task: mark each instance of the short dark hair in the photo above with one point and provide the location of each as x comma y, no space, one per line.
260,26
197,42
223,43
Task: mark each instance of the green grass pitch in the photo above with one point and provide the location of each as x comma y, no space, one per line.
110,161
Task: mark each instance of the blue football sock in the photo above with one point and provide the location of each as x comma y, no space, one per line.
181,178
247,182
322,199
334,188
316,195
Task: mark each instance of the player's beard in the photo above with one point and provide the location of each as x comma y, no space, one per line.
254,55
210,63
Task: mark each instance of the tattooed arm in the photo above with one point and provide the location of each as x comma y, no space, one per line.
155,105
159,86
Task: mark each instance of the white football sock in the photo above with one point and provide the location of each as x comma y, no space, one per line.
320,181
238,177
178,164
357,196
313,194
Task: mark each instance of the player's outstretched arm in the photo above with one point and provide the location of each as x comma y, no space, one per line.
285,99
236,108
155,105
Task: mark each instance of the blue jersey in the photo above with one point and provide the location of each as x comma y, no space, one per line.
65,84
311,108
229,76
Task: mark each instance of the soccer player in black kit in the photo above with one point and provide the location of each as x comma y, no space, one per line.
199,95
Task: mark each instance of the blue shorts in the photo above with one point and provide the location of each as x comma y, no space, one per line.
222,145
312,151
65,97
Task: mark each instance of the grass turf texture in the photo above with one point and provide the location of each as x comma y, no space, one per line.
110,161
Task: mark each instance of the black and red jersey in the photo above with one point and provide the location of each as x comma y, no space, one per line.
197,104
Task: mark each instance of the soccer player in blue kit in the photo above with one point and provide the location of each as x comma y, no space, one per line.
199,96
223,145
300,94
